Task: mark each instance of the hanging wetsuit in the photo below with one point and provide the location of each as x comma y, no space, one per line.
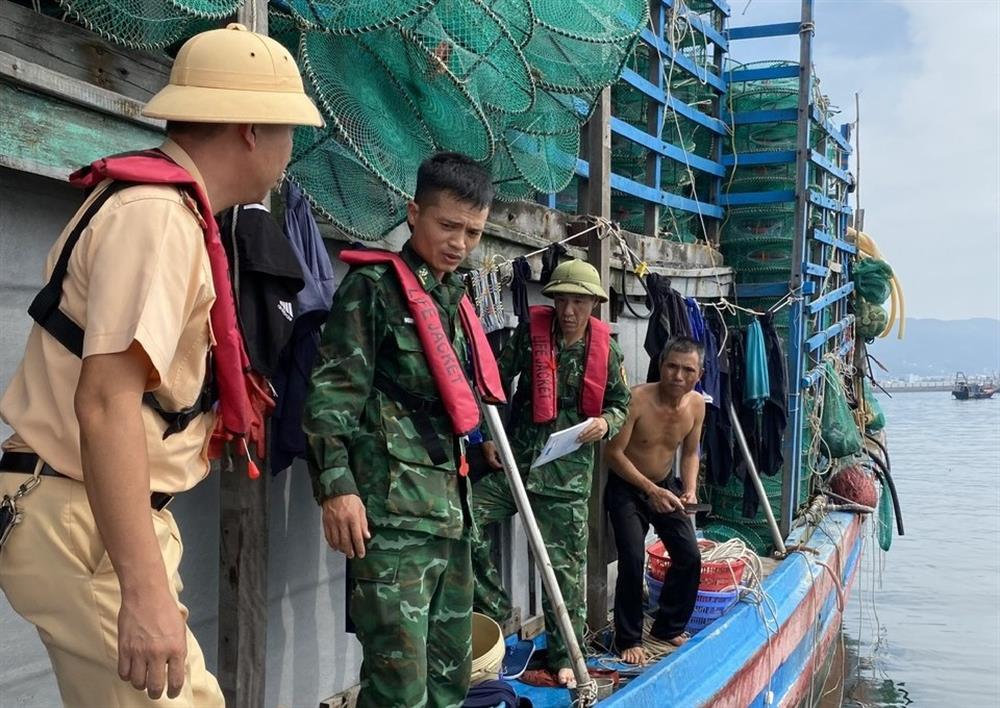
668,318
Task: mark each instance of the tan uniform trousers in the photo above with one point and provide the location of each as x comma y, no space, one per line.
57,575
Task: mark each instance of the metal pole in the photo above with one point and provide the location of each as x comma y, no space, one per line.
585,686
792,469
779,541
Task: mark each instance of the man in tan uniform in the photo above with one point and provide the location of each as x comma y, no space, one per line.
94,565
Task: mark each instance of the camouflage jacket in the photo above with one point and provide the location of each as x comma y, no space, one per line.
568,477
363,442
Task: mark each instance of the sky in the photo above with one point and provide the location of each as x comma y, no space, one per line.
928,76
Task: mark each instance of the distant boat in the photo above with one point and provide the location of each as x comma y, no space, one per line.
963,389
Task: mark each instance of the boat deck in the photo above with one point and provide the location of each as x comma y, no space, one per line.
773,645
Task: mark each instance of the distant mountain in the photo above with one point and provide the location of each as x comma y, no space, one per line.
941,347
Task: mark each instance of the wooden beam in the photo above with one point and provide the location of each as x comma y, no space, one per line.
77,53
598,190
38,78
52,138
243,547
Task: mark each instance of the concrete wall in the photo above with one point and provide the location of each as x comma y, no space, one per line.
309,655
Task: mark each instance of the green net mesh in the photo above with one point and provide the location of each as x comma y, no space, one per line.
373,116
354,16
546,162
555,113
507,180
454,118
146,24
472,43
517,15
593,20
341,187
885,519
569,65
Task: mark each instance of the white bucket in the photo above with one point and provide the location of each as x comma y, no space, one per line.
487,649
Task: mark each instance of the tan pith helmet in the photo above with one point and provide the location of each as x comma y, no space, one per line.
234,75
575,277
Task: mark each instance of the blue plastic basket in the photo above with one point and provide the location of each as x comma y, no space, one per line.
707,608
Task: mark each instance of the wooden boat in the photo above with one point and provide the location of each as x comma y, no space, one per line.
774,652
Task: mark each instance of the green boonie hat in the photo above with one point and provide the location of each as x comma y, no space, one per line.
575,277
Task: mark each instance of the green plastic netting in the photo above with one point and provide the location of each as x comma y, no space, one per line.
612,21
147,24
555,113
453,117
876,416
517,15
355,16
341,187
873,280
840,435
368,107
472,43
870,319
546,162
569,65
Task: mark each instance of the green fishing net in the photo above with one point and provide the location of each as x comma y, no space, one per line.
840,435
611,21
472,43
876,416
870,320
569,65
546,162
873,280
368,107
555,112
147,24
341,187
453,117
518,16
354,16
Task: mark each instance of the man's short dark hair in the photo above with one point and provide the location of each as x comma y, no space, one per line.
683,345
456,173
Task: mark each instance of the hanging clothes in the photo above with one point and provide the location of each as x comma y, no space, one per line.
267,278
668,318
718,436
291,376
700,333
756,386
551,258
767,423
519,288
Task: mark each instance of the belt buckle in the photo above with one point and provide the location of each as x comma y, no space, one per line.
9,518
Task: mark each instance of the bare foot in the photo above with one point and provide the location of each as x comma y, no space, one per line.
679,639
566,677
634,655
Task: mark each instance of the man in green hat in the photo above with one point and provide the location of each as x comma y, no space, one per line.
571,372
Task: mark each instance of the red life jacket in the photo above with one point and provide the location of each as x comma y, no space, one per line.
241,400
544,396
449,376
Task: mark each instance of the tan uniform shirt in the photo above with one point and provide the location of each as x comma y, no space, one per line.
140,272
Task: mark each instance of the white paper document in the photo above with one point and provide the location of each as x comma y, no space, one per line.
560,444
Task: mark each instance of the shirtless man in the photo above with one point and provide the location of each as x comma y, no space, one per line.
642,492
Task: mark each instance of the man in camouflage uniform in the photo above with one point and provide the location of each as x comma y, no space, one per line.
558,490
383,459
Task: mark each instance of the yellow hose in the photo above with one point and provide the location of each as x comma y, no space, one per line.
897,304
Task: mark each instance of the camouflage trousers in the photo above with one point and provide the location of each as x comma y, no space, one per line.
412,607
563,525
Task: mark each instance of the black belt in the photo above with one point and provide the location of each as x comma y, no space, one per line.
25,462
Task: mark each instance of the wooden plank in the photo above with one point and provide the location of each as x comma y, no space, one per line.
80,54
53,138
243,545
599,255
38,78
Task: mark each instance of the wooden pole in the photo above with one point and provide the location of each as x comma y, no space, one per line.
243,544
598,191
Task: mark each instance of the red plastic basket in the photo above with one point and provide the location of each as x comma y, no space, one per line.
715,575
